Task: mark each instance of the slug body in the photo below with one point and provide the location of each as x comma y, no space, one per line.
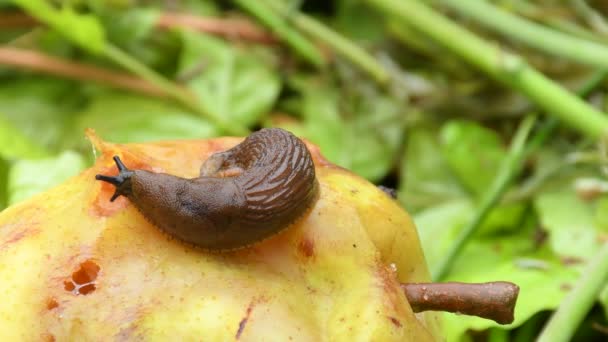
243,195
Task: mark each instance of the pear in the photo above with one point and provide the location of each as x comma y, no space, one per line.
76,267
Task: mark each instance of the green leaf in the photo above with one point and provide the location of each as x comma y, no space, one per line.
601,213
473,153
82,29
570,223
439,225
426,182
29,177
376,135
604,300
14,144
425,177
134,30
126,27
362,133
323,124
4,167
358,21
542,278
235,85
40,108
124,117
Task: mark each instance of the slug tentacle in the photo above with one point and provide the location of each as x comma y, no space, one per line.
243,195
121,182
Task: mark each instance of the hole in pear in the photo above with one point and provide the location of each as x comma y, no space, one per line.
83,280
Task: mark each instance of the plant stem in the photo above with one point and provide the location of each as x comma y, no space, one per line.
507,171
276,24
575,306
240,29
552,122
40,62
228,28
593,18
507,68
535,35
343,46
121,58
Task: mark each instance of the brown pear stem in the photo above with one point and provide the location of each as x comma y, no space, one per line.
495,300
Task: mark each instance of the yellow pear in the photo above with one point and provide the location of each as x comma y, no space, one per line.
76,267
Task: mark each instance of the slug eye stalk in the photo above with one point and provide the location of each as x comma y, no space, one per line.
121,182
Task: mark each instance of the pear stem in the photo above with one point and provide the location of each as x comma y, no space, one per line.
494,300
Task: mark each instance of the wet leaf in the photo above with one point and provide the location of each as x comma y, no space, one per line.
139,118
363,136
426,179
604,300
232,84
358,21
14,144
129,27
542,277
82,29
4,167
570,223
40,108
473,153
29,177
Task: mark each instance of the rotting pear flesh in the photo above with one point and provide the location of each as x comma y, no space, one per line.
74,266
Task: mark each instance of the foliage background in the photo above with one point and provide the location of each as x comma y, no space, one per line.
377,92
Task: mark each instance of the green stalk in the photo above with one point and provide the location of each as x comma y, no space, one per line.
575,306
505,67
509,168
131,64
340,44
543,134
593,18
276,24
535,35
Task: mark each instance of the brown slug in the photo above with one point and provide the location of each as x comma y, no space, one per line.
243,195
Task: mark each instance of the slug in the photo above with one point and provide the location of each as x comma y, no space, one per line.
242,196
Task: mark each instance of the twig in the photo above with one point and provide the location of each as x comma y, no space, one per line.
495,300
225,27
575,306
230,28
37,61
16,20
506,67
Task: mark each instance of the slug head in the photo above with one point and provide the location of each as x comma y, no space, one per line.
122,182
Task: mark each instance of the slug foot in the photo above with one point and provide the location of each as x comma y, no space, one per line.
122,182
